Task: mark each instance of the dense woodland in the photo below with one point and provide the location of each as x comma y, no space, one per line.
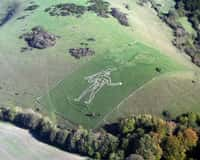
191,9
141,137
189,43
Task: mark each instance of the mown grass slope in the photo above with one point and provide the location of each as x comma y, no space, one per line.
135,65
51,79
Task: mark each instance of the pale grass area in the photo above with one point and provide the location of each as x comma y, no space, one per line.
18,144
175,92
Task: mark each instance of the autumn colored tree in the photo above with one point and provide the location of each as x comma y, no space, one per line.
173,149
189,138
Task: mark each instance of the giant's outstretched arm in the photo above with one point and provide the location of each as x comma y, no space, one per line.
115,84
110,83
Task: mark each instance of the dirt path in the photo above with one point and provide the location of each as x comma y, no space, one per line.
18,144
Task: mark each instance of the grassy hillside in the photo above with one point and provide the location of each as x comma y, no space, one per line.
134,68
172,92
51,79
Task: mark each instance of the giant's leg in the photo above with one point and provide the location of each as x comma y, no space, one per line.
93,93
84,93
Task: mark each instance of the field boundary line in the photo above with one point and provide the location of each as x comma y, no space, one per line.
134,92
117,107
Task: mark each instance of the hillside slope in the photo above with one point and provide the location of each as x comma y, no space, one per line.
51,80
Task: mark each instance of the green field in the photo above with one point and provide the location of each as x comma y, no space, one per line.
135,66
173,92
51,79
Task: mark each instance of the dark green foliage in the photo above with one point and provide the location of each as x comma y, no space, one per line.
166,114
11,10
189,119
60,138
191,4
100,7
120,16
32,7
9,114
149,148
66,9
142,137
27,120
52,135
119,155
107,144
191,8
142,2
187,42
74,143
126,126
180,8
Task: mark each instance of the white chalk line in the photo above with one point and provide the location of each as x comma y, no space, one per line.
134,92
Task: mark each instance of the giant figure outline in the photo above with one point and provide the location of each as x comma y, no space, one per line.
97,81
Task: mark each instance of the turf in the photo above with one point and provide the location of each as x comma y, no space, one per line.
173,92
50,79
136,65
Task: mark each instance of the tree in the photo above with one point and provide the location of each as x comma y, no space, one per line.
188,119
149,148
9,114
189,138
107,144
28,120
127,125
43,129
61,137
145,121
97,156
180,8
52,135
76,140
100,7
119,155
173,149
